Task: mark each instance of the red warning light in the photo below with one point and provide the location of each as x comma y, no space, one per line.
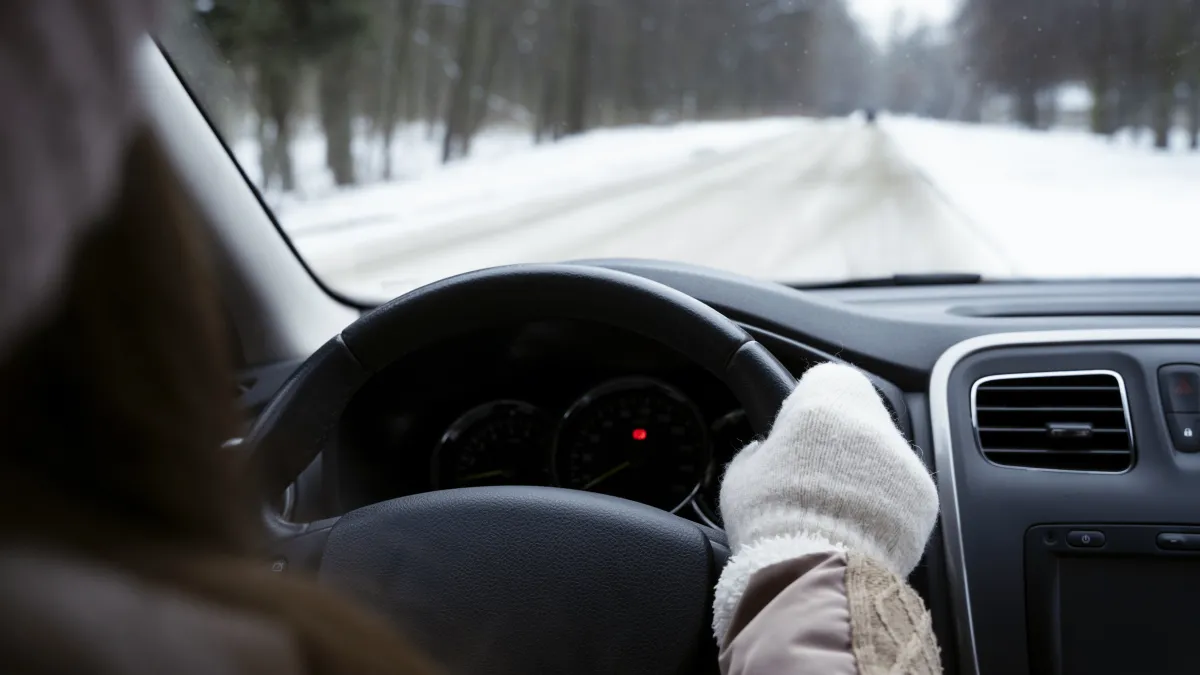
639,434
1183,387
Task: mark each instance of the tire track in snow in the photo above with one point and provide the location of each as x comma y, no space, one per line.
618,217
855,208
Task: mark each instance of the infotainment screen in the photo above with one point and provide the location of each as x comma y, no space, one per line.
1129,615
1116,601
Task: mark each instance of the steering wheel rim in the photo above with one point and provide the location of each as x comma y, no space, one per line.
558,529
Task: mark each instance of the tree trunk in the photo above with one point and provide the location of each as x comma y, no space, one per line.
1193,109
337,118
1164,109
435,71
417,62
633,84
386,121
1130,106
1027,106
1170,45
265,143
550,61
458,110
579,71
1101,76
276,95
395,53
1048,110
480,102
547,118
1100,116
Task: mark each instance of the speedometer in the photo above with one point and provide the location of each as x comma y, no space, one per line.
634,438
497,443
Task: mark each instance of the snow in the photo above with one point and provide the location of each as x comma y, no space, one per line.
416,152
434,204
792,199
1074,98
1065,203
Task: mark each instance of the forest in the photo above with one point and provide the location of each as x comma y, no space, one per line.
364,68
1138,58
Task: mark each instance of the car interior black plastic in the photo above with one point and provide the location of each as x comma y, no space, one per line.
898,334
541,579
1104,598
1001,504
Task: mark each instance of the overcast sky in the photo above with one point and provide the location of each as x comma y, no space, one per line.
876,15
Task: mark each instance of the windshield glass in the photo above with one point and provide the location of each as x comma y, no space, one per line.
804,141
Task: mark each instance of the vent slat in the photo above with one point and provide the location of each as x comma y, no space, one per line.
1072,453
1069,421
1008,387
1040,430
986,408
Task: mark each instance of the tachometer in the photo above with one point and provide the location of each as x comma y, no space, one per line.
634,438
497,443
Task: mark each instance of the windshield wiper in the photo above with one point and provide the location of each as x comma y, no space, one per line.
933,279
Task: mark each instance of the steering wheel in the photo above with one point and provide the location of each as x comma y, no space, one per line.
517,579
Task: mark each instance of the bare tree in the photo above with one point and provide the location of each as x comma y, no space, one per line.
559,66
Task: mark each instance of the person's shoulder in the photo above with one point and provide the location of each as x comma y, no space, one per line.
59,615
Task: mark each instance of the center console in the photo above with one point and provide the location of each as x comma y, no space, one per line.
1104,598
1069,474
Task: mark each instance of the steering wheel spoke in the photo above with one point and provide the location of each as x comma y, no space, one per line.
296,546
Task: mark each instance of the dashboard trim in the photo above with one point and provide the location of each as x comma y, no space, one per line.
943,447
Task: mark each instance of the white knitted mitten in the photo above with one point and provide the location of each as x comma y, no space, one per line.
834,474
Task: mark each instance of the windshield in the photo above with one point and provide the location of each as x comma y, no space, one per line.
804,141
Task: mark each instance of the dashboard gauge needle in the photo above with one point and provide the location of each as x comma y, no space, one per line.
608,474
498,473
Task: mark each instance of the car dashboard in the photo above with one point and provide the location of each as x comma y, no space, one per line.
1061,421
556,403
544,403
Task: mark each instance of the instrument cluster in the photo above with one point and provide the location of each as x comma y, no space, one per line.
639,438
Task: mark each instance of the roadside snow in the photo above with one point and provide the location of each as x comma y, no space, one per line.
1065,203
505,169
507,178
415,152
792,199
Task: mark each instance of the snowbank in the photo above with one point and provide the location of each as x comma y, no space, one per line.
504,169
1062,203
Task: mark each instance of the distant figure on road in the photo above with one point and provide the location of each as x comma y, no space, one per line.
869,115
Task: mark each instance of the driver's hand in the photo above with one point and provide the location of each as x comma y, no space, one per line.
835,486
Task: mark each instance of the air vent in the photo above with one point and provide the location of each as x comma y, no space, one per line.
1074,421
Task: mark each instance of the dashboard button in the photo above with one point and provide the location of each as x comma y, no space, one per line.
1185,431
1085,539
1180,385
1176,541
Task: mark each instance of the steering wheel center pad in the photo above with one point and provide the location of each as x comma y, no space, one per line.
512,579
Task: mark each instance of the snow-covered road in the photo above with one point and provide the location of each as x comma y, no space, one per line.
812,200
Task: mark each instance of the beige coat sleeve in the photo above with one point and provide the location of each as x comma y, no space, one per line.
834,613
